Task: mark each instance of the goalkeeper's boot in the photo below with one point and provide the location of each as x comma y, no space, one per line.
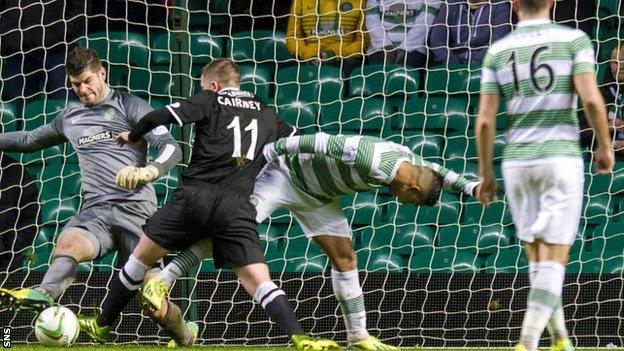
520,347
306,342
562,345
371,343
194,329
25,299
153,293
88,324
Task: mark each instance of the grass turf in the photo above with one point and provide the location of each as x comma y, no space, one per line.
146,347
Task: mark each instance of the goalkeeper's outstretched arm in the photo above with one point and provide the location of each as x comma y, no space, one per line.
37,139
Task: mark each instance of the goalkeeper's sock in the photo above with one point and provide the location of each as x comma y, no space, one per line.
556,324
60,276
349,294
275,303
544,298
184,262
173,324
122,290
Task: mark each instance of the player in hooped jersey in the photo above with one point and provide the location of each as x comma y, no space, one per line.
539,69
232,126
308,175
110,217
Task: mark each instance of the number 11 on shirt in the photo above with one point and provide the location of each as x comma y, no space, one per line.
253,127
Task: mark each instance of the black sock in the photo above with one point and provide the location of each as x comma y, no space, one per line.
121,291
275,303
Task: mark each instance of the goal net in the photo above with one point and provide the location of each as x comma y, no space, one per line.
453,275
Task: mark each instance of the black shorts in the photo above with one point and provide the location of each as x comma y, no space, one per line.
200,212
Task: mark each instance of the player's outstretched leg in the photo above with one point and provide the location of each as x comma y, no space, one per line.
72,247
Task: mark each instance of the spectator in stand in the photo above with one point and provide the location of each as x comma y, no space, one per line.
34,39
464,29
399,29
18,212
612,89
327,31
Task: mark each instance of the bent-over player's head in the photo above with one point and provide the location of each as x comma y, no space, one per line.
617,63
533,8
416,185
86,75
219,74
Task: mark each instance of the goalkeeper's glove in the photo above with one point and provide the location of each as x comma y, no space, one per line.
131,177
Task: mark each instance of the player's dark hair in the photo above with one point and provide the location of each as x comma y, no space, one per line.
79,59
222,70
533,6
435,189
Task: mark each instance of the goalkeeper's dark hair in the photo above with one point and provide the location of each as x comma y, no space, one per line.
223,70
533,6
79,59
433,195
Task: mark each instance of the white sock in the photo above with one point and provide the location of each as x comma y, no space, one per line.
544,298
349,294
556,324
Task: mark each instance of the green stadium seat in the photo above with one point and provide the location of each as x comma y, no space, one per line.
597,209
453,79
40,112
464,146
445,261
49,155
474,238
106,263
410,238
259,46
511,260
309,83
271,233
492,238
298,245
256,79
120,47
608,236
460,166
209,15
58,211
389,80
361,208
496,213
434,113
446,211
203,48
301,114
597,262
9,118
59,181
356,116
424,144
612,184
381,260
314,264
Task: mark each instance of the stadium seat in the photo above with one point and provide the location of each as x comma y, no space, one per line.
496,213
389,80
259,46
381,260
361,208
612,184
301,114
410,238
309,83
316,264
453,79
202,48
36,159
441,114
106,263
454,236
40,112
445,261
256,79
597,209
464,146
9,117
424,144
298,245
608,236
206,16
57,210
596,262
494,237
60,180
356,116
511,260
446,211
120,47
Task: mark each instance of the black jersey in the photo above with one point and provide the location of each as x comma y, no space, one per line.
232,127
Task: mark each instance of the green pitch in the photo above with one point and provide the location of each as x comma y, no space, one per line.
143,347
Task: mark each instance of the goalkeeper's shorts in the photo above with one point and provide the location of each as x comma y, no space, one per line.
199,212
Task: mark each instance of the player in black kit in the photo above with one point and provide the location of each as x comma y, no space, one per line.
232,126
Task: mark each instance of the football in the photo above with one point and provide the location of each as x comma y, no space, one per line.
57,326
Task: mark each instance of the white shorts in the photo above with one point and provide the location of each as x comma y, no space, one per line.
545,199
274,190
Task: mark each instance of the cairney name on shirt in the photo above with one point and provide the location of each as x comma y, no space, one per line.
237,102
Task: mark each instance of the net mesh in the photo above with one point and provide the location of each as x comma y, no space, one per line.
450,275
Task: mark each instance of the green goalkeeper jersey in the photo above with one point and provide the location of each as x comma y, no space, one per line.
329,166
532,69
